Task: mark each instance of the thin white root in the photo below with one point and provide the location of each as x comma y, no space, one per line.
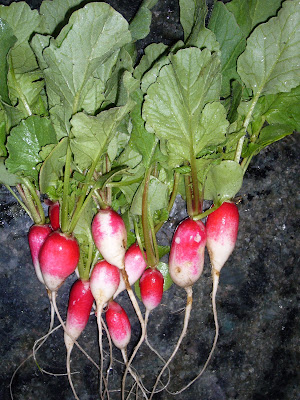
214,293
69,350
99,323
158,355
110,357
188,309
133,374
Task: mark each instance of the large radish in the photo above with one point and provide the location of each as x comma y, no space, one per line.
186,262
58,259
79,308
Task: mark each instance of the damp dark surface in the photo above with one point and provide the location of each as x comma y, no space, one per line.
258,352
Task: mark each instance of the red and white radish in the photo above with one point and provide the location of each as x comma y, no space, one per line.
151,286
58,259
110,236
79,308
36,237
135,265
186,262
54,210
104,281
118,325
221,230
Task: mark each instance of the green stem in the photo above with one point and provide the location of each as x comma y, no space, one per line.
240,144
154,241
36,199
138,238
30,204
65,202
188,193
19,201
205,214
196,201
79,212
84,269
151,259
172,199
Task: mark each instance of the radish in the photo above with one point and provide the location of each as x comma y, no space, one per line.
120,332
104,281
54,215
135,265
110,236
151,285
58,259
79,308
36,237
186,262
221,230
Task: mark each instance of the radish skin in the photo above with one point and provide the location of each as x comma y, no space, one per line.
110,236
79,308
36,237
53,212
135,265
151,286
58,259
186,262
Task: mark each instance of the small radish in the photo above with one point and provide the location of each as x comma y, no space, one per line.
186,262
118,325
120,332
135,265
58,259
151,285
104,281
54,215
79,308
221,229
110,236
36,237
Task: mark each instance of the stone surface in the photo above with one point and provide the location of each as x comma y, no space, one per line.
257,356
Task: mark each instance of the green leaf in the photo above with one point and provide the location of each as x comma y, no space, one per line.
23,21
3,122
24,143
140,25
157,197
249,14
91,135
174,104
270,63
91,37
192,14
223,181
283,108
7,40
6,178
54,12
232,43
268,135
52,167
151,54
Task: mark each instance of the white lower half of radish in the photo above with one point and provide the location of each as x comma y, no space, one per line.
53,282
219,253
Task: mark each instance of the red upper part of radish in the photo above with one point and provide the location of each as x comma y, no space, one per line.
104,281
110,236
36,237
58,259
135,265
79,308
151,285
118,325
187,252
54,215
222,229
